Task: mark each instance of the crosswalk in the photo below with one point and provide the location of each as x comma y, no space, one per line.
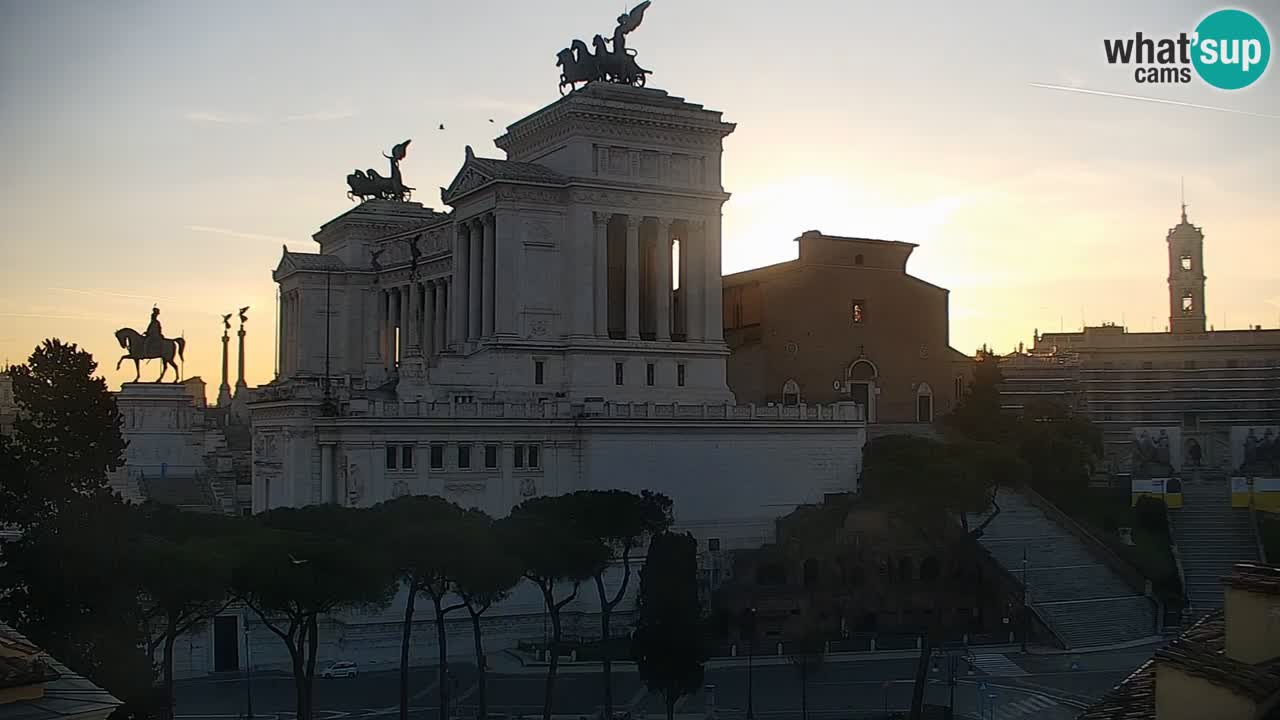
1027,706
997,664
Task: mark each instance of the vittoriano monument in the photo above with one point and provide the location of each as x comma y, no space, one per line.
152,344
368,184
617,65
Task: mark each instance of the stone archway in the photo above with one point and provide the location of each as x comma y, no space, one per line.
861,378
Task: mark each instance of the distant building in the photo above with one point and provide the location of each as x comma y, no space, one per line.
1204,390
845,321
8,406
1226,667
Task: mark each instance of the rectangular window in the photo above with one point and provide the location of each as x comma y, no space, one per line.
680,375
859,311
519,458
491,457
534,460
648,374
1147,365
617,373
391,457
1185,260
537,372
437,457
406,457
1188,304
464,457
713,544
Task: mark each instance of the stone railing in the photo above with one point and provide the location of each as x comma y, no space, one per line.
600,410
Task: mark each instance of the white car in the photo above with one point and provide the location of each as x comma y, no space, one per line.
341,669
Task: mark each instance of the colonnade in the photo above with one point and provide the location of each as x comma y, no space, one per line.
419,311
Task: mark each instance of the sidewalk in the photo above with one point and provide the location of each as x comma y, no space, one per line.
514,662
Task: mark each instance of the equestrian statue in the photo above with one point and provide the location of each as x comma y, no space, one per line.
152,344
616,66
368,184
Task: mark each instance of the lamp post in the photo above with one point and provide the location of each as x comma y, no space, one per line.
749,628
248,672
1026,612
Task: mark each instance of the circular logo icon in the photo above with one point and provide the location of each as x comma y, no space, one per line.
1232,49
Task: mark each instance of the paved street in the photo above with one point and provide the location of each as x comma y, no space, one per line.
1023,686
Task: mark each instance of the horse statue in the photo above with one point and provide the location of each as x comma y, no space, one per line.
367,184
135,344
579,65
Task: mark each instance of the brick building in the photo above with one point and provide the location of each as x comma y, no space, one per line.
844,321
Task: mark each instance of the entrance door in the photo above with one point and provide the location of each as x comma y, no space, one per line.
226,643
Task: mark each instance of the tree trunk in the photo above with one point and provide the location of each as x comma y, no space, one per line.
309,672
170,637
482,702
555,659
606,610
804,689
404,652
299,677
671,704
442,646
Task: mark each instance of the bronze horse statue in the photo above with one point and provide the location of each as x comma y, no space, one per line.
135,343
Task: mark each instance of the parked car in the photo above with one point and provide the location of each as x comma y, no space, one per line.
341,669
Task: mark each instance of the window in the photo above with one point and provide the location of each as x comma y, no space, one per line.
526,456
1147,365
858,311
680,375
391,457
464,457
648,374
713,544
857,259
790,393
519,456
490,457
534,460
1188,303
406,457
537,372
959,388
617,373
924,403
437,456
1185,261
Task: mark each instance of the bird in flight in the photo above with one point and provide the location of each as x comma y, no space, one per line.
295,561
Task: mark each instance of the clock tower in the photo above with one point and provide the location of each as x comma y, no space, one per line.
1186,277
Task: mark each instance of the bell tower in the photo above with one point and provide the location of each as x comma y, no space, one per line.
1186,277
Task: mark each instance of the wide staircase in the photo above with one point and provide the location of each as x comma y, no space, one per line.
1081,599
1211,536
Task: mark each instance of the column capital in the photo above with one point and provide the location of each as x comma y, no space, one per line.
476,222
601,218
664,223
461,228
697,224
633,221
489,218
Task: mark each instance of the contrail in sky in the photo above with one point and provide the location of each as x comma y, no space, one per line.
1162,101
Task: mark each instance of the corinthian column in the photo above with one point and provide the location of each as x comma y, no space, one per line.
487,287
662,288
428,319
601,278
461,283
633,277
475,266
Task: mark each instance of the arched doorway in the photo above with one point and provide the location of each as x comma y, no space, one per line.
790,393
924,403
860,379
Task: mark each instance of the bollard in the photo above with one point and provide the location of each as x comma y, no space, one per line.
779,648
873,644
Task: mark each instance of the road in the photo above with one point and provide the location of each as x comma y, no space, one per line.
1023,686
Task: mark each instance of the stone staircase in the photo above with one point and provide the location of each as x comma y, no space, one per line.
1083,600
1211,536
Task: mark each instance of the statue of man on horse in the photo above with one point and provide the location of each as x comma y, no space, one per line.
149,345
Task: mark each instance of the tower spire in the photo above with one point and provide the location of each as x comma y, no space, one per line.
1182,182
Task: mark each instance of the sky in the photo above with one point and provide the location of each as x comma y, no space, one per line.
161,152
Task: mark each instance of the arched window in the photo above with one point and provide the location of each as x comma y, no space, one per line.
811,573
929,569
790,393
924,403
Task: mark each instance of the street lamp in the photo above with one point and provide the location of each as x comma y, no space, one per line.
749,629
248,673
